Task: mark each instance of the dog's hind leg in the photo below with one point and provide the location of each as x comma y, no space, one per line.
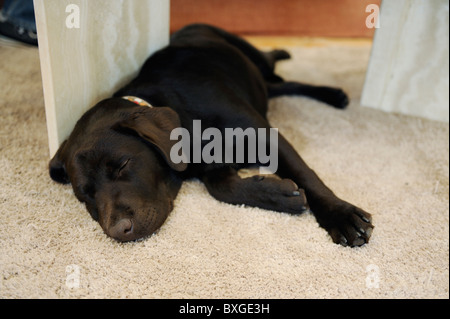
332,96
261,191
276,86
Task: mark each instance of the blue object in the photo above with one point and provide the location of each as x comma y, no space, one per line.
20,13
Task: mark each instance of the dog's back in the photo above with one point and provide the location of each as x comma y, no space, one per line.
203,76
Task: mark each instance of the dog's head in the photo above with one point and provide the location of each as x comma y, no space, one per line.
117,160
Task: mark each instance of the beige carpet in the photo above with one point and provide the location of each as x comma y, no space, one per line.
395,167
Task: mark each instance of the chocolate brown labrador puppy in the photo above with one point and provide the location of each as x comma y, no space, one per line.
127,165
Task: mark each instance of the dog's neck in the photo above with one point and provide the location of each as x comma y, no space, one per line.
137,100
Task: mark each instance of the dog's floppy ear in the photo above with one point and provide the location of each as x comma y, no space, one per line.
155,125
57,167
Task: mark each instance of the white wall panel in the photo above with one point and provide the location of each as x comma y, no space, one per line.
409,67
85,62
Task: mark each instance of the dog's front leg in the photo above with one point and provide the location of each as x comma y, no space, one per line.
261,191
347,224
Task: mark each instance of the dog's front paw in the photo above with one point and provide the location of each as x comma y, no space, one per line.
276,194
349,225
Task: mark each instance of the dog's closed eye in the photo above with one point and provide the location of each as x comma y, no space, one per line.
122,166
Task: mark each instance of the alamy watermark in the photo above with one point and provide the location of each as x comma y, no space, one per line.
261,148
373,276
372,20
73,18
73,273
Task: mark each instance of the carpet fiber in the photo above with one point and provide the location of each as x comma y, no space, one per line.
395,167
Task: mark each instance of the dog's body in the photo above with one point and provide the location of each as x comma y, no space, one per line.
118,156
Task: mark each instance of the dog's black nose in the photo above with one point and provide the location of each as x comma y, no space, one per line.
122,230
